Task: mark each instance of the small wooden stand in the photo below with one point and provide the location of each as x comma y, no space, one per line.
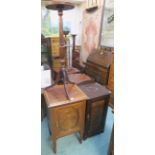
62,77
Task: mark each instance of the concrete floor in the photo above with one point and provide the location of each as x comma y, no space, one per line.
69,145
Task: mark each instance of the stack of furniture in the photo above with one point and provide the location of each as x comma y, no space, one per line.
84,113
100,67
86,110
79,107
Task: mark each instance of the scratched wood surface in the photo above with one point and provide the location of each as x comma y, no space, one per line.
79,78
55,96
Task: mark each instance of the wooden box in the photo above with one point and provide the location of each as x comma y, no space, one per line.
65,116
96,108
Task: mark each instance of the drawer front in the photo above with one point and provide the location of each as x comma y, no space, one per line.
68,119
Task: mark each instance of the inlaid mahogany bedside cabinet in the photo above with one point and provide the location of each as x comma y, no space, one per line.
65,116
96,108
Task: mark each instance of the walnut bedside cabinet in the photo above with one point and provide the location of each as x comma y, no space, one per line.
96,108
65,116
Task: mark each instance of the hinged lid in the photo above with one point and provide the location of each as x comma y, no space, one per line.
100,57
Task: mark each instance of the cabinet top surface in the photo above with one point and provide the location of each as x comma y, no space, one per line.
72,70
78,78
56,96
94,90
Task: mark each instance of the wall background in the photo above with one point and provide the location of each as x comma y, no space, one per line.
91,29
72,19
107,34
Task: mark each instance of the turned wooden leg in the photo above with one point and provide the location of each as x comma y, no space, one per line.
54,144
81,136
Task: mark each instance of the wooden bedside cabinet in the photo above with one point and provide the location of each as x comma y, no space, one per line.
65,116
96,108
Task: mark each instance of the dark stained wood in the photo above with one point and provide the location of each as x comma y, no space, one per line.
79,78
43,107
46,53
61,5
73,37
101,57
76,58
96,108
72,70
62,75
65,116
98,66
61,36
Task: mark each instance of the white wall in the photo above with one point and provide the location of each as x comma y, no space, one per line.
76,27
74,17
107,36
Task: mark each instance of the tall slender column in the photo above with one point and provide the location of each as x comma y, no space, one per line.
62,76
61,35
73,36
